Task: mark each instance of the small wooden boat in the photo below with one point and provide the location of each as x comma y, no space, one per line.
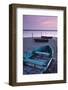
46,37
40,40
40,58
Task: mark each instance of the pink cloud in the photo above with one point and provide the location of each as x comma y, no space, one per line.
50,23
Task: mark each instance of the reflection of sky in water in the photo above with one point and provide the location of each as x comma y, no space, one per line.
40,33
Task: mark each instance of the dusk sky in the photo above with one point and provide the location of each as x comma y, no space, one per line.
34,22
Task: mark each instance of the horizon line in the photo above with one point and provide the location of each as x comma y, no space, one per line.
37,30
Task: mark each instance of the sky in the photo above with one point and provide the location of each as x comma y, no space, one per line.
35,22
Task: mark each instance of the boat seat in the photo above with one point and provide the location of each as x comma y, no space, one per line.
42,53
36,62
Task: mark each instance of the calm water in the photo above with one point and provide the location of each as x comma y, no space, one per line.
38,33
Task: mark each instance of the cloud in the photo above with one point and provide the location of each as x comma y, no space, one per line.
52,23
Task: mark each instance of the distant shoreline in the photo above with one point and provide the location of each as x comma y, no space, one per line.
39,30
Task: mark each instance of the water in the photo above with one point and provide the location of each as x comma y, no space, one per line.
38,33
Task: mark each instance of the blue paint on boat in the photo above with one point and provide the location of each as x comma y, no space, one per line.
39,58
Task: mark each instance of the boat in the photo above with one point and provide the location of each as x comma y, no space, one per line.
46,37
40,40
39,58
